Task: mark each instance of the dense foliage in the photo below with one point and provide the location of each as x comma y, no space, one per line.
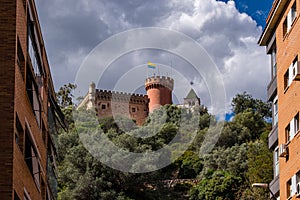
239,158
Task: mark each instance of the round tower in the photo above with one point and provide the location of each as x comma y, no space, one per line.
159,91
91,95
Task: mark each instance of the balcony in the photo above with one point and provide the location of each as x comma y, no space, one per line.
274,185
272,88
273,136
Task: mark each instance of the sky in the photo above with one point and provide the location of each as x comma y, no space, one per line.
227,30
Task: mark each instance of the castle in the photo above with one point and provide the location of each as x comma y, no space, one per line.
135,106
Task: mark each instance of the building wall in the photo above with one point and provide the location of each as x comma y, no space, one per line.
288,47
18,113
133,106
7,84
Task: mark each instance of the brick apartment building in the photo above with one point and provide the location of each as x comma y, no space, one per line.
28,111
282,40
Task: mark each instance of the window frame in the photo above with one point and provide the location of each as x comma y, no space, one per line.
32,157
289,188
276,161
289,19
275,111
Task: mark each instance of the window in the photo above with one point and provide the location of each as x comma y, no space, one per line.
273,60
293,12
133,109
103,106
276,162
26,196
287,24
289,188
294,69
51,168
288,133
296,123
33,95
275,111
285,27
32,158
19,133
286,79
20,59
298,177
44,132
34,49
16,196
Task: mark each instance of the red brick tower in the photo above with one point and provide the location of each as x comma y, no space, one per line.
159,91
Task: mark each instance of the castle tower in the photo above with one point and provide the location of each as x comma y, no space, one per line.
191,100
159,91
91,95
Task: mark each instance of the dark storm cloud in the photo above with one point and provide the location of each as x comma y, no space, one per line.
72,29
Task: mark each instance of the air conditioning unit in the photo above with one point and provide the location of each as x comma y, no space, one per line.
298,189
296,70
283,150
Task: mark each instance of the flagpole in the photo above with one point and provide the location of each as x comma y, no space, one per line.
171,69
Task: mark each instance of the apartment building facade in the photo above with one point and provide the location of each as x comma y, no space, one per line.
28,110
281,37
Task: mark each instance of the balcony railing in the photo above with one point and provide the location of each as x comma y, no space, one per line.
274,185
273,137
272,88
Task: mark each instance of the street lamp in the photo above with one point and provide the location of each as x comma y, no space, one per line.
264,185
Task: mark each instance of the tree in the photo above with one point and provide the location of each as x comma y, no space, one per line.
260,168
225,173
219,185
64,95
244,101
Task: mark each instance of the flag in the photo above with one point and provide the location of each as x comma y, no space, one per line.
151,65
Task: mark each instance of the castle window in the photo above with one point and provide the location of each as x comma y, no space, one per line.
103,107
133,109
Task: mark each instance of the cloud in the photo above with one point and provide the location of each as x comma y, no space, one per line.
72,29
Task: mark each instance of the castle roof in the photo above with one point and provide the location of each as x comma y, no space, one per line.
192,95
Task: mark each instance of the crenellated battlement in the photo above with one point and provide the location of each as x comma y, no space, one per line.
159,81
121,96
